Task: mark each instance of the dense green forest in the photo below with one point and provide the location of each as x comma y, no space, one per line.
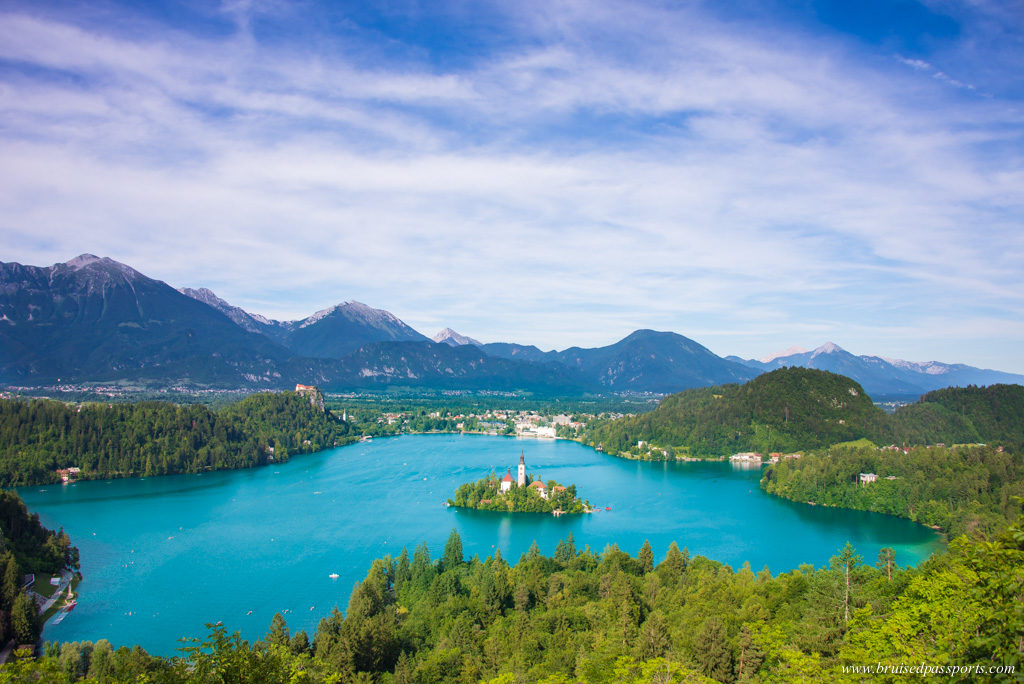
959,489
35,548
797,409
484,495
580,616
962,415
154,438
26,547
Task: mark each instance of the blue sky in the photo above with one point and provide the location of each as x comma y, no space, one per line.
752,174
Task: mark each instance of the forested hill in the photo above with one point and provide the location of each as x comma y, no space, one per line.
785,410
961,489
26,547
35,548
795,409
155,438
962,415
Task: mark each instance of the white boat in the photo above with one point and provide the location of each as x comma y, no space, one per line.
334,575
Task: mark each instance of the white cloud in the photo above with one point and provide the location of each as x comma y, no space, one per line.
553,194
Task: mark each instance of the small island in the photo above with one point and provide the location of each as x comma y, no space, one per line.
521,494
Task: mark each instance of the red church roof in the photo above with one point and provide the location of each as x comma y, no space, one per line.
508,477
538,484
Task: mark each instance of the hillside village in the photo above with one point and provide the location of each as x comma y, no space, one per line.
492,422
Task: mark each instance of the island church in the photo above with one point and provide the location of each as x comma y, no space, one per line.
506,482
520,481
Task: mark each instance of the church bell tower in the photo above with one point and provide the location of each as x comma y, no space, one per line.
521,480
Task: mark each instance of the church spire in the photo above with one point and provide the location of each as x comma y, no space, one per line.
521,480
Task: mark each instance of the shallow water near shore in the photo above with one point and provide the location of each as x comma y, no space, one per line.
162,556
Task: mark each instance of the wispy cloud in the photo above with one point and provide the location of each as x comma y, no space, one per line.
921,65
601,168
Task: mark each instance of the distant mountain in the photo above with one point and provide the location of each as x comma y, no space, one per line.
786,352
332,333
340,330
936,375
454,339
883,377
519,352
644,361
251,322
428,364
97,319
650,361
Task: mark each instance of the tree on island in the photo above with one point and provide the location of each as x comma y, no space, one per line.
485,494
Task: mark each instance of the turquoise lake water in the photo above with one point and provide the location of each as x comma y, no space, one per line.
162,556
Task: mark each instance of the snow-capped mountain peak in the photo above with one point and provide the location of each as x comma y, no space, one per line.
450,337
929,367
354,310
827,348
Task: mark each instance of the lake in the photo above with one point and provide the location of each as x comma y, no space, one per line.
162,556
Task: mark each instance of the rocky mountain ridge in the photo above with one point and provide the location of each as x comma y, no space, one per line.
94,319
884,377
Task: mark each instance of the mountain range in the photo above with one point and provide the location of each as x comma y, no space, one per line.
882,377
94,320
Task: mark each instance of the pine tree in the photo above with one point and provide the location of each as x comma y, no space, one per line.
886,559
11,581
452,552
646,558
675,562
278,633
566,550
299,643
846,560
655,637
404,669
403,571
712,650
24,620
422,570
